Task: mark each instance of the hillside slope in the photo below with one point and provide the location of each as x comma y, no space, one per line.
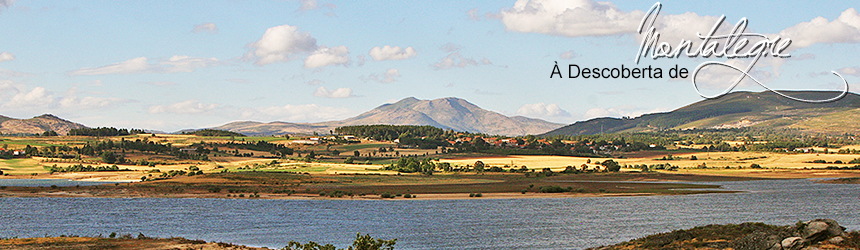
735,110
38,124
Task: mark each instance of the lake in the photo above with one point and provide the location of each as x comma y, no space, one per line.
561,223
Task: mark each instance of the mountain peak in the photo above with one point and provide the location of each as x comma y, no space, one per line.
446,113
48,116
37,125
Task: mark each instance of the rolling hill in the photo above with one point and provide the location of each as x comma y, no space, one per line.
446,113
36,125
739,109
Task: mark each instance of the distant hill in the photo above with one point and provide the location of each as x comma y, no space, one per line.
740,109
446,113
38,124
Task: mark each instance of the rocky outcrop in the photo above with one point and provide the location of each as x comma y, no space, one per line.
809,235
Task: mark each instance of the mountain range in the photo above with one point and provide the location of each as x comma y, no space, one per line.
734,110
740,109
446,113
37,125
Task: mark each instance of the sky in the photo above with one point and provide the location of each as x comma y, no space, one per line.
171,65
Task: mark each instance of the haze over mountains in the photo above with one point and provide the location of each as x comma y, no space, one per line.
735,110
446,113
740,109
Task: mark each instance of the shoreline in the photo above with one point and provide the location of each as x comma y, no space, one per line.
419,196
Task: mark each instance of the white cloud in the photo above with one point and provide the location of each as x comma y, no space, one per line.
187,63
718,77
280,44
542,110
238,80
592,18
314,82
458,61
205,27
161,83
5,4
391,53
570,54
184,107
325,56
450,47
131,66
11,73
88,102
844,29
389,76
854,71
141,65
306,112
473,14
569,18
6,56
308,5
38,97
337,93
361,60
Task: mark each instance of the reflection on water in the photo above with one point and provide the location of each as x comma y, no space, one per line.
563,223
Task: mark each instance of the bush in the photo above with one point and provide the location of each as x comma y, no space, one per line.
407,195
479,195
756,166
362,242
554,189
386,195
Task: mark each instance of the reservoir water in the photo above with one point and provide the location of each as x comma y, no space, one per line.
562,223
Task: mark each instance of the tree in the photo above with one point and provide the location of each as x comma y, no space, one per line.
611,165
479,166
108,157
356,153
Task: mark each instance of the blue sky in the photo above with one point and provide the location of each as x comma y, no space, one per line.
170,65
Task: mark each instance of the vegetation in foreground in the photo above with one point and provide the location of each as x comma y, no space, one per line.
361,242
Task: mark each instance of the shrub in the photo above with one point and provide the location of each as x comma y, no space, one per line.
479,195
471,194
754,165
386,195
407,195
554,189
